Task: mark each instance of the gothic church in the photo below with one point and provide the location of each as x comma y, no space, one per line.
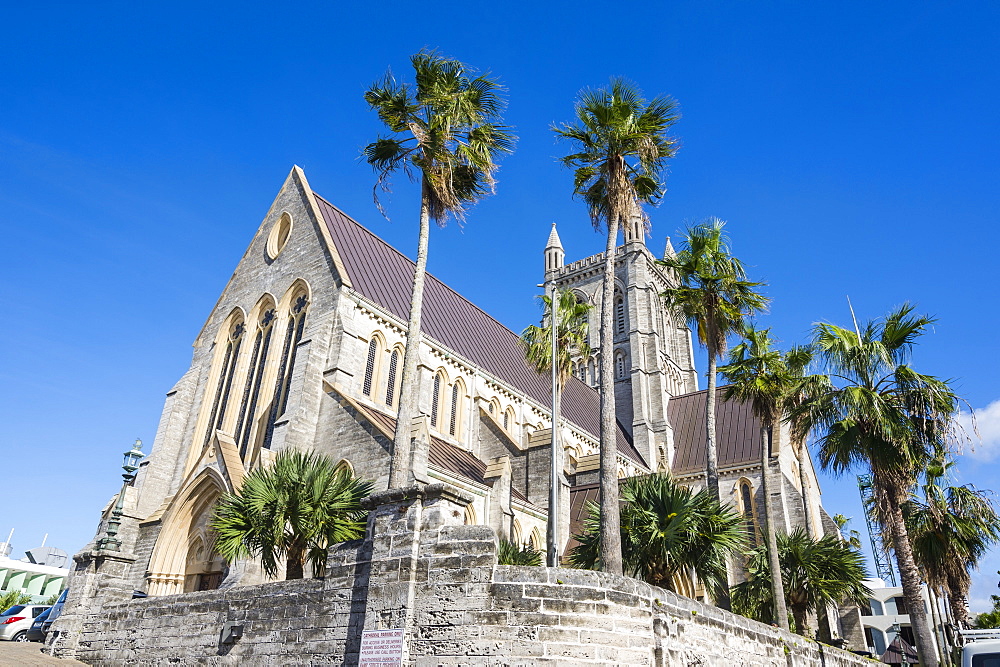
304,350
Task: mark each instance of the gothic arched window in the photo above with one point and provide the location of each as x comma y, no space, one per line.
390,385
255,375
454,421
746,498
619,312
508,419
293,336
436,401
227,368
371,366
620,369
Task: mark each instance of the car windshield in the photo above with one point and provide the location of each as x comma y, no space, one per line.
41,617
16,609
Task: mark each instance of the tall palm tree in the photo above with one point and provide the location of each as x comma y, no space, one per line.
951,528
715,298
762,376
446,127
815,572
622,147
670,534
295,509
873,411
572,317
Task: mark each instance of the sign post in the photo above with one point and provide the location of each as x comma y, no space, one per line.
381,648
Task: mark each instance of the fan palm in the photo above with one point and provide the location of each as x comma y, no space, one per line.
815,573
951,528
715,298
446,127
571,341
669,534
763,377
622,147
509,553
873,411
293,509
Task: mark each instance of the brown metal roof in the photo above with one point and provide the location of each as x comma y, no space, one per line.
384,275
442,454
579,496
737,432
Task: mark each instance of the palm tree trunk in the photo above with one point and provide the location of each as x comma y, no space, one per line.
803,456
957,600
611,536
711,458
910,579
711,454
400,472
771,535
295,561
936,621
800,613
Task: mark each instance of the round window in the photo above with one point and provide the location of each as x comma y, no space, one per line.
279,235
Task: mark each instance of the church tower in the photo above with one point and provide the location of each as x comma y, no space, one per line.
653,354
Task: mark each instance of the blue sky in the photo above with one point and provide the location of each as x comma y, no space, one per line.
851,146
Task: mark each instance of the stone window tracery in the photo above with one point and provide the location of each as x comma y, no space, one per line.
436,400
750,523
370,366
227,369
390,385
456,407
293,336
255,375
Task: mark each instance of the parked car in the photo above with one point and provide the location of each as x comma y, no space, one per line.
54,613
35,633
15,622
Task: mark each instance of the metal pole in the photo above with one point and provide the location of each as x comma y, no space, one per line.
110,541
552,533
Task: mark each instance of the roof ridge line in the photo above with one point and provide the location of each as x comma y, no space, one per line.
407,258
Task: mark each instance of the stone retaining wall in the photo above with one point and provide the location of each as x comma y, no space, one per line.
442,584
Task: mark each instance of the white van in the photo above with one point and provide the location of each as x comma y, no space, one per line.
980,652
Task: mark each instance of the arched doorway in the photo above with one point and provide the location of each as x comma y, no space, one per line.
184,558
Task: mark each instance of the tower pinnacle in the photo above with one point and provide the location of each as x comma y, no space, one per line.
554,254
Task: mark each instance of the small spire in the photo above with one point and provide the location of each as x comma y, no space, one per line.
554,241
554,255
668,251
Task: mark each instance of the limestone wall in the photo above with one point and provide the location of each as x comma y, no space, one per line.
460,608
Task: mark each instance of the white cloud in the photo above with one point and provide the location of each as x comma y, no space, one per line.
985,445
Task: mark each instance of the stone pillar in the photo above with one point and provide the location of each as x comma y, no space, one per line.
403,525
501,515
99,578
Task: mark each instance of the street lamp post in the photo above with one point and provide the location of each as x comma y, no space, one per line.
552,546
110,541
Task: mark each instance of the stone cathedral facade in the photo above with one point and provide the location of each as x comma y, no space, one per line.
303,350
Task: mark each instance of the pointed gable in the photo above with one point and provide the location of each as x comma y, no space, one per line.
384,275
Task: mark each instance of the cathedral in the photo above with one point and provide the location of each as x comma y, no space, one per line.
304,350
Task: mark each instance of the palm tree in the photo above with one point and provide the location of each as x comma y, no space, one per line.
873,411
509,553
446,127
951,528
763,377
715,298
294,509
670,535
851,537
571,341
815,572
622,148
